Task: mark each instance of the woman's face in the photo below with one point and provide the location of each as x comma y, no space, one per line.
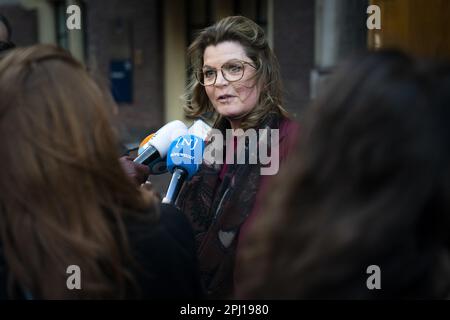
233,99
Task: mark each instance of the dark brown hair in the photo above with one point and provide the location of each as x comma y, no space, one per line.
369,185
63,194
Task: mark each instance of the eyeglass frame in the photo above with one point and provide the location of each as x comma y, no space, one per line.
221,70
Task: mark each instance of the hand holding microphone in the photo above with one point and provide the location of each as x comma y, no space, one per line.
152,153
153,150
137,172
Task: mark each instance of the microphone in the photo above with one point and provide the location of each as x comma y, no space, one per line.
183,161
158,166
145,143
154,150
200,129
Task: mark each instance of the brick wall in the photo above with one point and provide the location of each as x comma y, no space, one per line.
294,47
145,114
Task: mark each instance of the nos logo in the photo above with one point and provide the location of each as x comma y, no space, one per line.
187,142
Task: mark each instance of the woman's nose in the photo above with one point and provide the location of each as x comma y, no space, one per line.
220,80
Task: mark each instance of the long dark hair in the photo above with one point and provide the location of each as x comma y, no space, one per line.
63,194
369,185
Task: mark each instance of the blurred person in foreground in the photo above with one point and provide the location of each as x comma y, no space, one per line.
65,199
369,185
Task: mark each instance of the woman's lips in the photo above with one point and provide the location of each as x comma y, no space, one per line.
225,98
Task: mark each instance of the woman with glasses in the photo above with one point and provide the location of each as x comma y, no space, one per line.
236,79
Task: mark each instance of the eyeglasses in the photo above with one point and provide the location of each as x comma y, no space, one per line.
232,71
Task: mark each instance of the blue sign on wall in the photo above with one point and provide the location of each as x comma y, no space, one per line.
121,76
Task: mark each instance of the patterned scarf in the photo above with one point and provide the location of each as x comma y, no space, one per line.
216,209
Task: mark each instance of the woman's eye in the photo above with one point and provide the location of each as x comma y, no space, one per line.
208,73
234,68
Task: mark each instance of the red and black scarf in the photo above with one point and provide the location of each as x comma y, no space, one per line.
216,209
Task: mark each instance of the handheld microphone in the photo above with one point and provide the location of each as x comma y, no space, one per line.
200,129
183,161
145,143
158,166
158,144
